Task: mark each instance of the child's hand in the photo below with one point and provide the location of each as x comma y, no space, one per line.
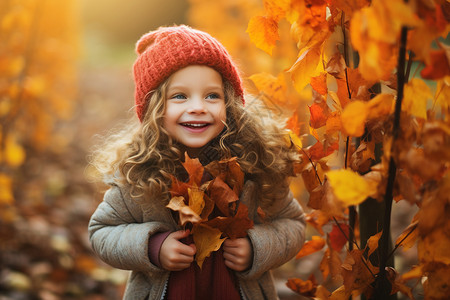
238,254
174,255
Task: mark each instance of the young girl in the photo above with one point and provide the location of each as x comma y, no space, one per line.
189,98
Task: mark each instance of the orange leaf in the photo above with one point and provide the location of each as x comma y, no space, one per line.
195,170
319,114
263,32
438,67
222,195
372,242
357,277
206,240
318,150
336,65
319,83
272,87
306,288
337,238
233,227
314,245
317,219
330,264
293,123
408,237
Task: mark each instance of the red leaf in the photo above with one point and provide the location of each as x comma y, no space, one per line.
336,238
438,67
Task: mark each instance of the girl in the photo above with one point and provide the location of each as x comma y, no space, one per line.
189,98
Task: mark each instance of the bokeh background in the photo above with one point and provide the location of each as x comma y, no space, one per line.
65,81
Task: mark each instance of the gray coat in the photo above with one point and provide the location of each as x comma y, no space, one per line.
120,227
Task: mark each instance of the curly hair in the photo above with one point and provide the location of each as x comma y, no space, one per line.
144,155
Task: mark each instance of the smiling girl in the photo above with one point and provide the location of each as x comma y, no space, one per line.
189,98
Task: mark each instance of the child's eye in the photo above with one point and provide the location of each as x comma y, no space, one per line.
213,96
178,96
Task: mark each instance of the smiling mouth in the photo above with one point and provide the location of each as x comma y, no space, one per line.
194,125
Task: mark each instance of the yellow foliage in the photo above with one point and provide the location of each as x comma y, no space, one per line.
353,118
207,240
349,187
417,93
6,194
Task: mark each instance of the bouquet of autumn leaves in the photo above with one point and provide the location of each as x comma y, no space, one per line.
195,203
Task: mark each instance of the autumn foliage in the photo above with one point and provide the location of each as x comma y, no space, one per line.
361,59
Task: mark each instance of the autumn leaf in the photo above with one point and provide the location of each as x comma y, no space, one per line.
207,240
315,244
306,288
319,114
293,124
372,242
409,236
272,87
353,118
196,202
306,66
6,194
358,273
319,150
331,264
185,212
263,32
438,67
233,227
380,106
222,195
195,170
319,83
338,239
317,219
417,93
349,187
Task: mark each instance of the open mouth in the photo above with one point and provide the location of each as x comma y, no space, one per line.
195,125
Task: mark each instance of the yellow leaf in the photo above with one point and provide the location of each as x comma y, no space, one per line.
272,87
417,93
349,187
196,202
6,194
292,138
381,105
276,8
434,247
207,240
306,66
353,118
263,32
409,236
442,96
14,154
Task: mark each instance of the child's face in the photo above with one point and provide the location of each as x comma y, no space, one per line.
195,109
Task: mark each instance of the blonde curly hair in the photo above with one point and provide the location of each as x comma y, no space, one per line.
144,156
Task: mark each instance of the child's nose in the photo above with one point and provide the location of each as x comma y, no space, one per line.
197,105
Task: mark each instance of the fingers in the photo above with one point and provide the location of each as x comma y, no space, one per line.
174,255
238,254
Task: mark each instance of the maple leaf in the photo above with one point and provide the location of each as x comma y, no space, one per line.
358,273
336,238
223,196
349,187
195,170
315,244
417,93
331,264
229,171
319,150
233,227
317,219
185,212
196,202
294,125
207,240
263,32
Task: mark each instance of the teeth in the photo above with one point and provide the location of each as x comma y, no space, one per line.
194,125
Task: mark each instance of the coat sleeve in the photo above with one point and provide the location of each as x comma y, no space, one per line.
277,240
118,235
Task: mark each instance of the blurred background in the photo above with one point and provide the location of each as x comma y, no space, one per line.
65,80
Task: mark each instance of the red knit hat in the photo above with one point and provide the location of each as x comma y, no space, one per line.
169,49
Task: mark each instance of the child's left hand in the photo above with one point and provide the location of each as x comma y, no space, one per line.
238,254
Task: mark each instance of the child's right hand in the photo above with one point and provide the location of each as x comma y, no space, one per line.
174,255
